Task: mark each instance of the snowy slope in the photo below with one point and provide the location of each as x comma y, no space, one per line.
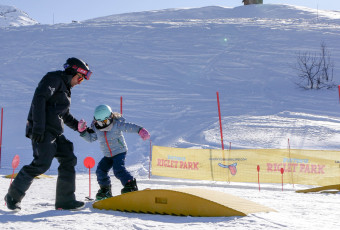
167,65
294,210
168,72
273,11
10,16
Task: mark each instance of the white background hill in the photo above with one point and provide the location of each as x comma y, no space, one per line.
167,65
10,16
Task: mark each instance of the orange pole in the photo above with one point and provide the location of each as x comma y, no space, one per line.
219,115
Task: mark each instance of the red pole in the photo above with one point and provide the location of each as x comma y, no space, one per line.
282,171
15,163
258,176
90,183
150,160
2,116
121,105
89,162
290,158
219,115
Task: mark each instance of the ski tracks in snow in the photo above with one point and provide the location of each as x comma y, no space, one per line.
273,131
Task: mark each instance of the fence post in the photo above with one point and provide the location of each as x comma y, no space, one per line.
219,115
121,105
2,120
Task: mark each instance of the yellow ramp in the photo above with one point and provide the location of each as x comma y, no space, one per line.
182,202
323,188
38,177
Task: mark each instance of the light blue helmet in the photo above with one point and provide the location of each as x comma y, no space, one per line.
102,112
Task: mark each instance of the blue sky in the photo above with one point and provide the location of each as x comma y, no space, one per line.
64,11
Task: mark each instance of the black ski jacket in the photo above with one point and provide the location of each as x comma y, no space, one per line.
50,107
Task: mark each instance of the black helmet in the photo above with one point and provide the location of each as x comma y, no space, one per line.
74,65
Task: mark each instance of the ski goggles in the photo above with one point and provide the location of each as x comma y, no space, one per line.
87,73
103,123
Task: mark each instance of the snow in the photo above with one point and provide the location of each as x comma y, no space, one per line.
294,210
167,65
10,16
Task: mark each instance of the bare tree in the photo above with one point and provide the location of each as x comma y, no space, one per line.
315,70
308,67
327,65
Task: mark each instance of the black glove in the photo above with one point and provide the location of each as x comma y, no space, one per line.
37,137
89,130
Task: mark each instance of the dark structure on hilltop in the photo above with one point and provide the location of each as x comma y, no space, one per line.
248,2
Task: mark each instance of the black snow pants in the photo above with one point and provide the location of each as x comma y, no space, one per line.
43,153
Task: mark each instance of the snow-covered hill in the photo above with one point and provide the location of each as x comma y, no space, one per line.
167,65
272,11
168,72
11,16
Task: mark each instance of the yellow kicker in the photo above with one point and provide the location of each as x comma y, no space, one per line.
38,177
322,189
182,202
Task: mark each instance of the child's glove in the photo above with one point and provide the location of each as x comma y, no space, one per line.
81,125
144,134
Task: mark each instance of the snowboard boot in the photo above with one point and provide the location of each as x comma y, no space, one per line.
130,186
12,204
72,205
104,192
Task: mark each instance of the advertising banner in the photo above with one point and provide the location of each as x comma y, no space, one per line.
309,167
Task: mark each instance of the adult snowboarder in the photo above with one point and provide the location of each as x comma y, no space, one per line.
45,126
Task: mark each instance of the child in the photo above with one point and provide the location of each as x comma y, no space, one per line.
108,128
